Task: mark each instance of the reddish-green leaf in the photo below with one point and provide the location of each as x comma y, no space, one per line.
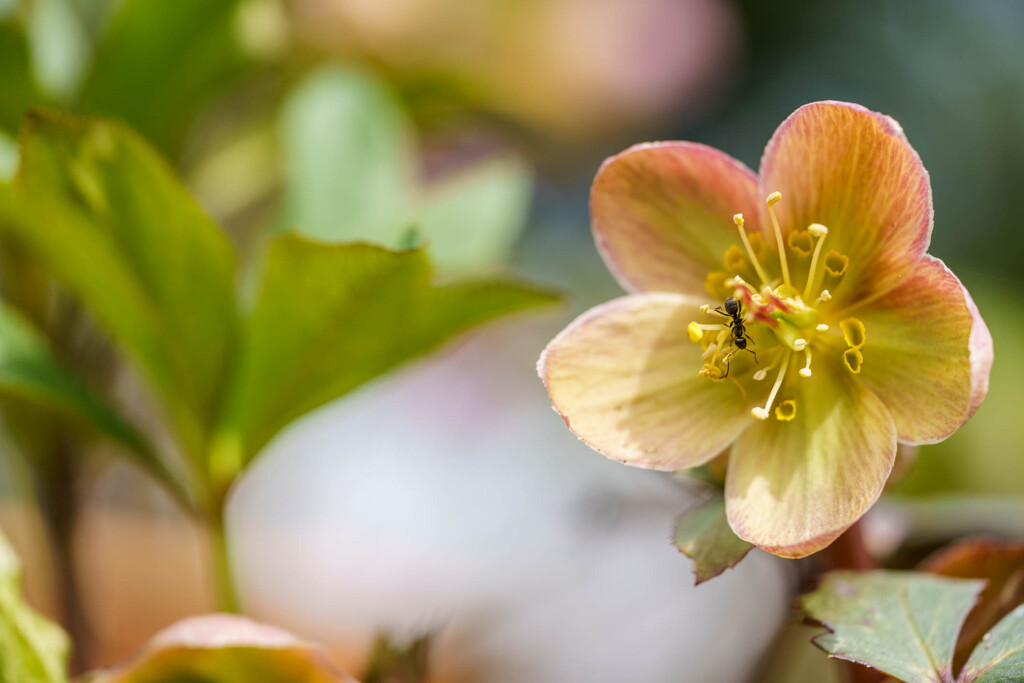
704,535
1001,565
226,649
902,623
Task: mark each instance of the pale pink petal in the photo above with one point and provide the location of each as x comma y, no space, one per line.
793,487
624,378
853,171
662,214
928,353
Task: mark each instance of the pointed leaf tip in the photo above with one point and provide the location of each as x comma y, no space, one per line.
704,535
902,623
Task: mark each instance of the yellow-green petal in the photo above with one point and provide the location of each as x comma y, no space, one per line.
793,487
852,170
928,353
624,378
662,214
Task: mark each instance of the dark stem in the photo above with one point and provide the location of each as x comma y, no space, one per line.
849,552
59,501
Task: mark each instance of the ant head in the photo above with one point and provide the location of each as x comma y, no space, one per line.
740,342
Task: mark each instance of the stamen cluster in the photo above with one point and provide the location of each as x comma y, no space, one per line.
776,305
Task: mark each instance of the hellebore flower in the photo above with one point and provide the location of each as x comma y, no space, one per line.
862,340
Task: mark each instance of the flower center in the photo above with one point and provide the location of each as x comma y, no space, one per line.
775,325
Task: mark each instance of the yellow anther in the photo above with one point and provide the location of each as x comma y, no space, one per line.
757,243
801,242
760,375
824,296
822,327
716,287
735,261
853,359
738,220
853,332
805,371
799,344
836,263
786,410
819,231
712,371
772,200
705,308
763,413
695,332
709,352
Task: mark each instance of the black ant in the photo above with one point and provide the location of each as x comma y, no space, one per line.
734,310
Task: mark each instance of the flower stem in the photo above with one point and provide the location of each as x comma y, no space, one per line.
224,583
849,552
58,495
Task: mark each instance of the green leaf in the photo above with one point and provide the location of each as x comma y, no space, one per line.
60,47
704,535
1001,565
32,649
1000,656
8,157
348,157
330,317
29,372
902,623
160,62
97,207
474,218
224,648
18,89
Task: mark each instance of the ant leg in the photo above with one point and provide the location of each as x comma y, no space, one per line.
728,364
749,338
752,352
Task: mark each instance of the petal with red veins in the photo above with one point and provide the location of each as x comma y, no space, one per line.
662,214
624,378
853,171
928,353
793,487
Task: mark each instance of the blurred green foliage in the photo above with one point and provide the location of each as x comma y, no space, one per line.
32,649
158,63
329,318
349,154
126,238
29,372
98,209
